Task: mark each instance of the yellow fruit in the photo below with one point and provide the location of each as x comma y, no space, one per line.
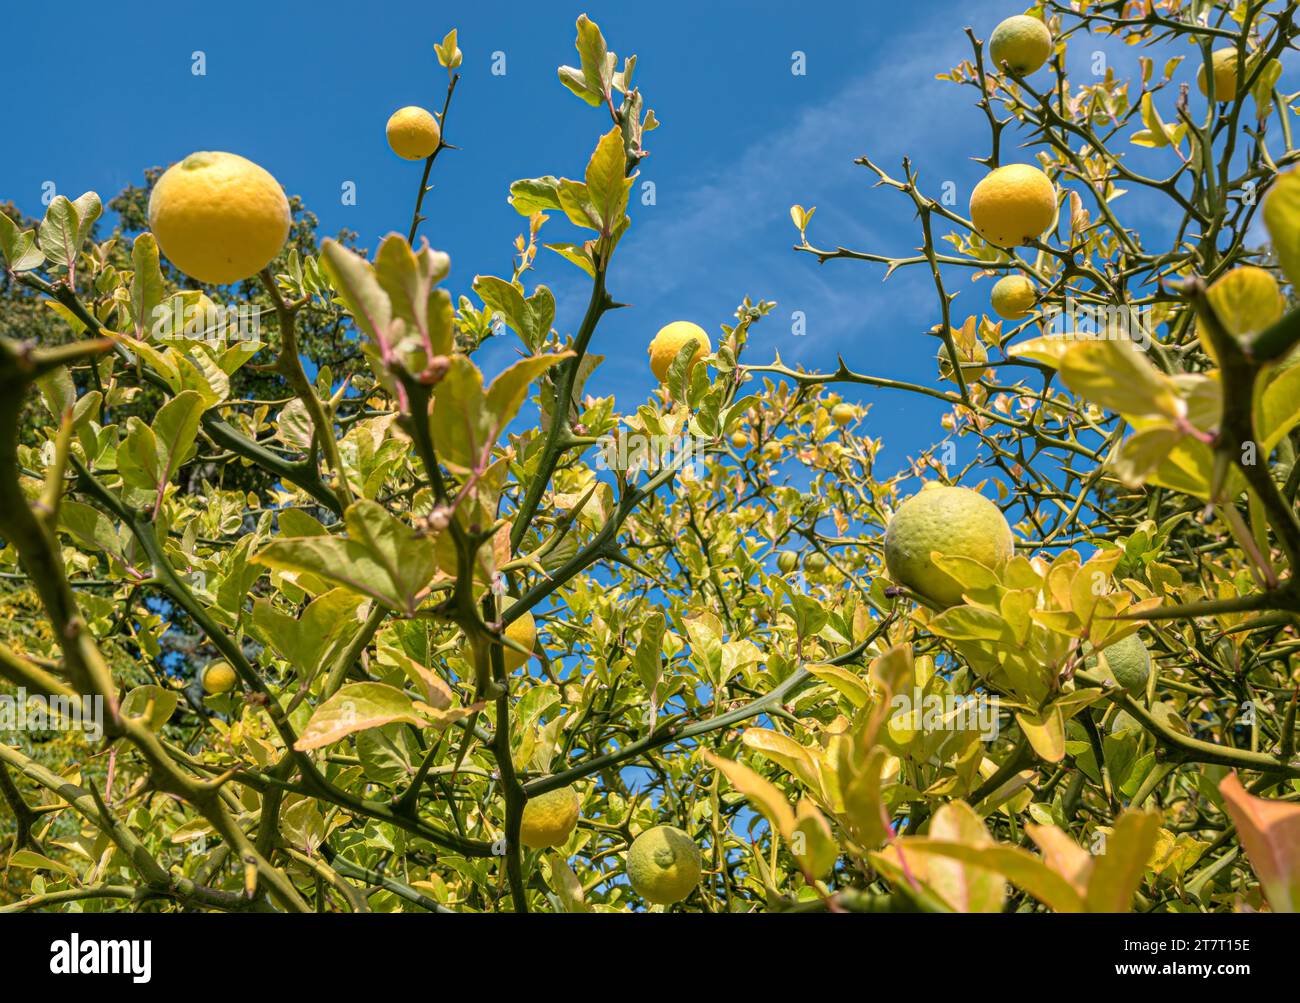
772,450
954,521
739,440
523,632
218,677
663,865
549,818
218,217
413,133
1022,42
1224,62
1013,204
1013,297
670,340
971,358
842,414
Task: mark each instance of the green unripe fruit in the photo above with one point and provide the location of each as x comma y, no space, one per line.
844,413
952,521
1022,42
787,561
1127,662
663,865
815,564
218,677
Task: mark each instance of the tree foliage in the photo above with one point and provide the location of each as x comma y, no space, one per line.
351,514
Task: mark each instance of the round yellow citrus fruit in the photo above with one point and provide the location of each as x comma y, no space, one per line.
218,217
739,440
670,340
663,865
1127,661
1224,62
1013,297
523,631
1022,42
218,677
549,819
844,413
971,358
955,522
1013,204
413,133
787,561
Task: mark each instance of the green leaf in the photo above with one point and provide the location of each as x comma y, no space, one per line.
1117,376
965,888
147,288
356,283
408,278
509,390
449,54
969,623
18,247
607,183
705,633
357,707
507,299
457,422
465,422
152,703
386,754
1279,408
137,457
57,235
1019,866
576,253
310,641
574,80
786,752
66,226
1046,733
32,860
175,426
852,686
532,195
382,558
91,526
155,452
568,887
1118,871
647,661
760,791
1282,218
597,64
1142,453
577,206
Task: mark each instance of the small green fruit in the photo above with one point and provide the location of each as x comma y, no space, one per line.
218,677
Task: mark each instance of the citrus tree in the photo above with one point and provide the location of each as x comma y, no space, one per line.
473,643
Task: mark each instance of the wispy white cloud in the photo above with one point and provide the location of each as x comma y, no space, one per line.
731,234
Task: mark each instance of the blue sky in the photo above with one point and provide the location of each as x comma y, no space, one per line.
305,91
